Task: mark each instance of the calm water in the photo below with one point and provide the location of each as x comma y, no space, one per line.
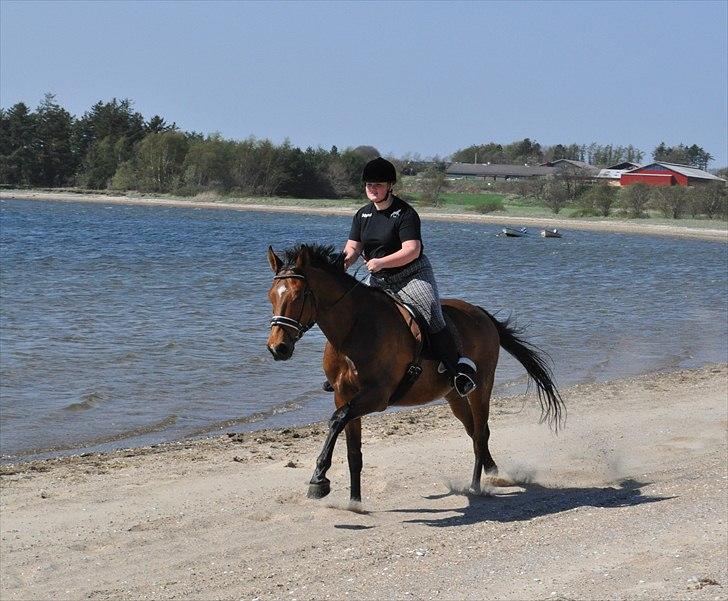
130,325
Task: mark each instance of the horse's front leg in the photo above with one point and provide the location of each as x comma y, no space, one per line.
353,452
369,400
320,486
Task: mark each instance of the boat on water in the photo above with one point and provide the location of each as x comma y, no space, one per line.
554,233
510,232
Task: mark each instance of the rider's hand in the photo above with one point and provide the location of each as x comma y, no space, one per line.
374,265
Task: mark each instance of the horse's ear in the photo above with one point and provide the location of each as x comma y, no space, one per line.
303,257
275,262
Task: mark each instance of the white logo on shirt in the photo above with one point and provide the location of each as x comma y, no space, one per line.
395,214
366,214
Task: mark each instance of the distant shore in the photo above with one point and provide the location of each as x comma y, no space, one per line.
253,204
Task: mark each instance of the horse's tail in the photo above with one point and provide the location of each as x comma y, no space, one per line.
536,363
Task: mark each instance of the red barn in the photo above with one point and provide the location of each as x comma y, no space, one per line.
667,174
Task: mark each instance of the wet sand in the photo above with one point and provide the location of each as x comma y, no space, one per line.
629,502
625,226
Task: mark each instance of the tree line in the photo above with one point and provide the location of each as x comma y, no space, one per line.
113,146
530,152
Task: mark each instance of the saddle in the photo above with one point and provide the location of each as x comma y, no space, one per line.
418,327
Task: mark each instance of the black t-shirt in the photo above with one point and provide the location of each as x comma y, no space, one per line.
382,232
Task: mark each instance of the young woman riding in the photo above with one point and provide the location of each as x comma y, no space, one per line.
386,232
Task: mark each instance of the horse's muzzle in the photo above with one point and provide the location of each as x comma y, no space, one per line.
281,351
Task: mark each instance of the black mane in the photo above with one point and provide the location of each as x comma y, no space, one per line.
323,256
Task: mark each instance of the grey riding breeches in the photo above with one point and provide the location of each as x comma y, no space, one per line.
414,285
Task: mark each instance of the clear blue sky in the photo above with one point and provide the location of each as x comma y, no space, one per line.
419,77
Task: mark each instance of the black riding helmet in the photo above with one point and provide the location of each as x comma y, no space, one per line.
379,170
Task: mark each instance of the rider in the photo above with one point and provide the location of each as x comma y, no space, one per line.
386,232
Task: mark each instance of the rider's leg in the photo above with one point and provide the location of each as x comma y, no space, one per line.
421,290
460,369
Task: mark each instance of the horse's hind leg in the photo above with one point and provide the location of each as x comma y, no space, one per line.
353,452
479,401
462,410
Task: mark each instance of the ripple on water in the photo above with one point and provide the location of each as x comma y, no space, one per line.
165,312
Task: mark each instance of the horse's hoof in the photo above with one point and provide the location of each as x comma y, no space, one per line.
319,491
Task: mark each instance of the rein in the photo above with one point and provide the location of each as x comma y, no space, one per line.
295,324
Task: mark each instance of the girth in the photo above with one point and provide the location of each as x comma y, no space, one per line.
419,332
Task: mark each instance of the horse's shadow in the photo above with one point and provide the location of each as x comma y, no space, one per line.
534,500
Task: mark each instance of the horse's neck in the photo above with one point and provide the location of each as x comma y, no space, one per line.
337,309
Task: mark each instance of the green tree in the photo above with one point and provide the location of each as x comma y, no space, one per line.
709,199
367,153
555,193
600,198
634,199
105,137
102,160
208,164
157,125
18,154
126,177
683,155
481,154
55,160
160,160
670,200
433,183
524,151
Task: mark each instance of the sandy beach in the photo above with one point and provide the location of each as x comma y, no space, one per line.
625,226
629,502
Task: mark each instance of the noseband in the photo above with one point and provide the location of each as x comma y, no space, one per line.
287,322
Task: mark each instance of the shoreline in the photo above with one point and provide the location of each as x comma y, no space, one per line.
228,518
381,421
620,226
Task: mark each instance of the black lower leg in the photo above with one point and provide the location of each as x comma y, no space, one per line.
483,459
477,471
319,486
489,465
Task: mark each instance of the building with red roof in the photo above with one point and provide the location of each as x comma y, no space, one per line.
667,174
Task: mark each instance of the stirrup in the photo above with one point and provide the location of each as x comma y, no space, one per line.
464,384
463,381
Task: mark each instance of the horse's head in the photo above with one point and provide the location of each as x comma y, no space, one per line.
294,311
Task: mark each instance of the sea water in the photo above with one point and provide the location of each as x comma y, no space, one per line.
125,325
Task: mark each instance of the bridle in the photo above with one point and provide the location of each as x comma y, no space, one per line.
295,324
288,322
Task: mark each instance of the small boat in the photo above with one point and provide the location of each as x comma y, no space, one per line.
510,232
554,233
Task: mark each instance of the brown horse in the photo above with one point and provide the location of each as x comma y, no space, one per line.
370,347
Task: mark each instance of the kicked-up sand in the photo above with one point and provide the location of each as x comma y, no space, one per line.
630,501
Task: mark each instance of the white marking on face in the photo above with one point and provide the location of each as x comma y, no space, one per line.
281,289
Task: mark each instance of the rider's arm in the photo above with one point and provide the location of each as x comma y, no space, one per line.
352,250
409,252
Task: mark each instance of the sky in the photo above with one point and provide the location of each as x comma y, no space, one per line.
406,77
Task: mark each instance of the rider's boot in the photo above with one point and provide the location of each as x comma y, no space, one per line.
461,370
